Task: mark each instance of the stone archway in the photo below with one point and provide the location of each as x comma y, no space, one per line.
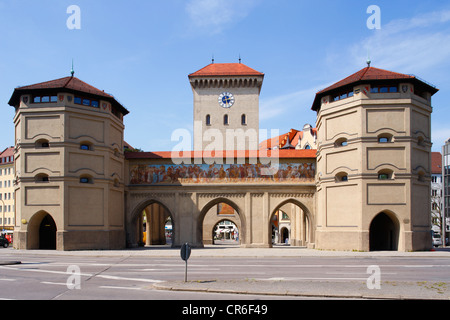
384,232
41,232
157,214
301,224
209,218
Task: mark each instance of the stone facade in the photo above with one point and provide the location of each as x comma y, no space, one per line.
360,180
69,167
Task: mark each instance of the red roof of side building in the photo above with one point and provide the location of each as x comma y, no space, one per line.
368,74
282,154
8,152
71,84
280,141
226,69
436,163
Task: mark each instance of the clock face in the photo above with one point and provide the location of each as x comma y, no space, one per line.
226,100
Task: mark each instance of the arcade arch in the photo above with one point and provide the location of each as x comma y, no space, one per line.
152,223
217,211
291,223
384,232
42,232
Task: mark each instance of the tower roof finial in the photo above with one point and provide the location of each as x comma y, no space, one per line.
368,61
72,72
212,61
240,60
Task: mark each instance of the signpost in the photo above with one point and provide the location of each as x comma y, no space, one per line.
185,254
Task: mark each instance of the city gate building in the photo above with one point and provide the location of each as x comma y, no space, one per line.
361,181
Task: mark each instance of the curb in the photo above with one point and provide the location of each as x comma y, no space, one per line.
8,263
295,294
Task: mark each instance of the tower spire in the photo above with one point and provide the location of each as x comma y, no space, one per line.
72,72
368,61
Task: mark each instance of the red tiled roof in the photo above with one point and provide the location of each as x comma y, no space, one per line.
8,152
71,84
68,83
369,74
280,141
436,163
282,154
226,69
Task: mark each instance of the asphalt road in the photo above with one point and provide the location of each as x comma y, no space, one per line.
78,277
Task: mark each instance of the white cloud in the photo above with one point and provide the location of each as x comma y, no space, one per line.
213,16
419,43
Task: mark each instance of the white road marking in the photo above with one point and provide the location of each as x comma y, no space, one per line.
54,283
120,288
128,279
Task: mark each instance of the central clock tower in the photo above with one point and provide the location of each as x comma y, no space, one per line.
226,107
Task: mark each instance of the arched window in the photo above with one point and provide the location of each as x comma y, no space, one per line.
342,142
385,174
42,143
208,120
244,120
384,138
42,177
341,177
86,179
225,120
86,145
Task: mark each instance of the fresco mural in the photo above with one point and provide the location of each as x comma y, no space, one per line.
223,173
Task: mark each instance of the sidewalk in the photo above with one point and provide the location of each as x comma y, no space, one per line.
232,251
317,289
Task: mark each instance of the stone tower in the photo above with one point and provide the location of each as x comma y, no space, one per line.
226,100
69,184
374,162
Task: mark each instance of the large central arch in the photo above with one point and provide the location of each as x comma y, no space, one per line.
207,219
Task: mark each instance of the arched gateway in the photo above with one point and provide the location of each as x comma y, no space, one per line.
373,140
193,193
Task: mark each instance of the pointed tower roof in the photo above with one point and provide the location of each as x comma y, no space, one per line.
370,74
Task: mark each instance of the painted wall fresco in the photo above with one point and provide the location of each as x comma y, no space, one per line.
225,173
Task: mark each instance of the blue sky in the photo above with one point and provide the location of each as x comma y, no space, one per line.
142,52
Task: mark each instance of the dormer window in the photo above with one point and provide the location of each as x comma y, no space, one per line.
343,95
383,89
86,102
45,99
